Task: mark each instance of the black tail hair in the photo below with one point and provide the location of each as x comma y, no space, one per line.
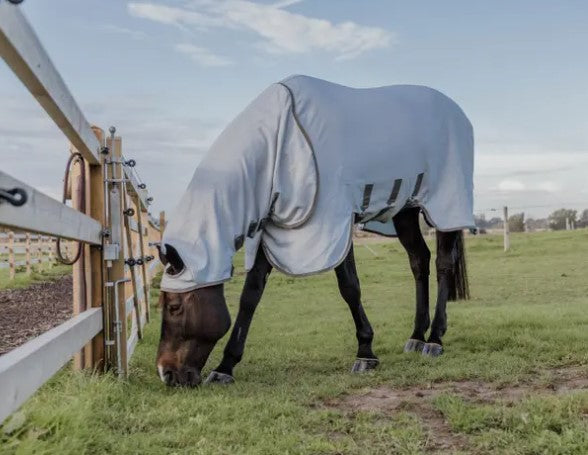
459,288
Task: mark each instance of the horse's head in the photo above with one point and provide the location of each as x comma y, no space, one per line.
192,323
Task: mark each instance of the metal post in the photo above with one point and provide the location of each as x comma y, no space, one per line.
118,326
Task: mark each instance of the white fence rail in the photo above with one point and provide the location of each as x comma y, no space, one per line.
26,368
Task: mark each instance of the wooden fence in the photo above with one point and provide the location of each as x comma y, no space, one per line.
25,251
108,216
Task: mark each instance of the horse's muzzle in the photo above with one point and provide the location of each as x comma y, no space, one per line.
184,377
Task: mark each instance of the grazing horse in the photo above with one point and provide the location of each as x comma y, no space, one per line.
288,179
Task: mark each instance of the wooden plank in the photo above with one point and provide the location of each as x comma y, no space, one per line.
24,54
46,215
133,225
130,302
134,189
26,368
5,265
134,338
132,343
132,250
143,248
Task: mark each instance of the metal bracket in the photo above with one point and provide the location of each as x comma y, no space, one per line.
111,252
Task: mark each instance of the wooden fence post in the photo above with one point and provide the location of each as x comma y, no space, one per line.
28,252
96,264
11,263
506,230
161,224
117,271
80,281
51,251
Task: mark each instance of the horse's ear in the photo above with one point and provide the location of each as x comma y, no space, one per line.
176,265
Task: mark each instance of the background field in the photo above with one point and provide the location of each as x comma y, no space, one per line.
512,380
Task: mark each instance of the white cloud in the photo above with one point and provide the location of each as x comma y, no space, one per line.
202,56
286,3
281,31
115,29
172,16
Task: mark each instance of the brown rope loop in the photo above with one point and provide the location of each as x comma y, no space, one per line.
75,158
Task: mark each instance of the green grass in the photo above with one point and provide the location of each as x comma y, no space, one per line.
529,313
41,273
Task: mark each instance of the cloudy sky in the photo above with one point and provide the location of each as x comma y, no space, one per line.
170,74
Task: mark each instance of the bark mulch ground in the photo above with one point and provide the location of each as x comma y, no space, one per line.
28,312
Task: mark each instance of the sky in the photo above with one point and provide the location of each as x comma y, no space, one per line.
170,74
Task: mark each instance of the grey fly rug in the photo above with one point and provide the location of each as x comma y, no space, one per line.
308,158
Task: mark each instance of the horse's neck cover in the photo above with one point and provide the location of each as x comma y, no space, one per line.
292,170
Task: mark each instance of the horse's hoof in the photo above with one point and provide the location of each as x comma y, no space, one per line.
432,350
362,365
219,378
413,345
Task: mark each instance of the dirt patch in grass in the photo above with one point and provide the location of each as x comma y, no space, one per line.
418,400
28,312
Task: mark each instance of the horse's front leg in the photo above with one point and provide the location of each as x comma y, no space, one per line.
250,297
351,293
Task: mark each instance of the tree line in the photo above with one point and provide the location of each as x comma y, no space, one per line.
560,219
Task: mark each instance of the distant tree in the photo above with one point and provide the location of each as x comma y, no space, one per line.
516,222
557,220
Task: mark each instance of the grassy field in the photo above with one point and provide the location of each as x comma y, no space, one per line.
512,379
41,273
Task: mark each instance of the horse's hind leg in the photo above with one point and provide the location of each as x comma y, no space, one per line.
407,227
350,291
250,297
446,263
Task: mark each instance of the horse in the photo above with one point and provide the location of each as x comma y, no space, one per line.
289,179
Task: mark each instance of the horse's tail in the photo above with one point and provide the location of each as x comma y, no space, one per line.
459,288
